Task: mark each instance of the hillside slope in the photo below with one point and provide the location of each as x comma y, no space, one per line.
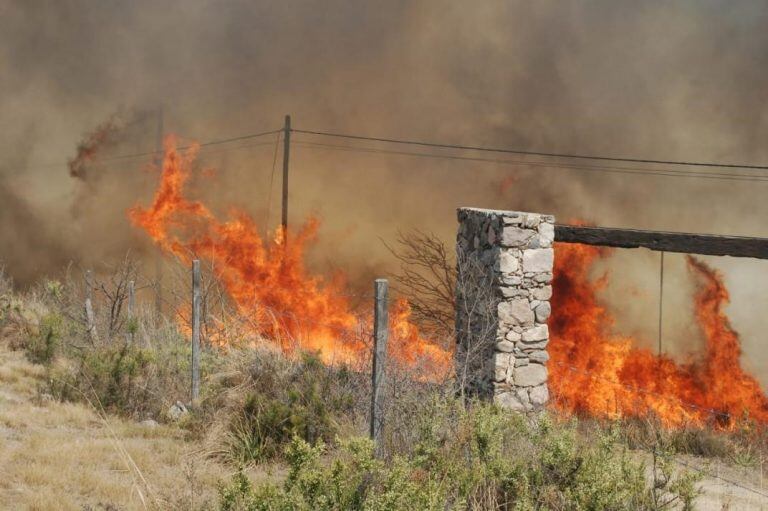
65,456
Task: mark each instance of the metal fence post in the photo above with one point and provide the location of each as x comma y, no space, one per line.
380,333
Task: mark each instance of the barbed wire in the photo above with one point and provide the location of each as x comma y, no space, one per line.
718,476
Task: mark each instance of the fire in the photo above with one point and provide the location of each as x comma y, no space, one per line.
598,373
267,279
593,371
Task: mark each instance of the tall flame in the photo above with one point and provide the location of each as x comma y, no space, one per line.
592,370
596,372
268,280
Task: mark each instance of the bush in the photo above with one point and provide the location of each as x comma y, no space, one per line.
124,378
43,344
285,399
470,459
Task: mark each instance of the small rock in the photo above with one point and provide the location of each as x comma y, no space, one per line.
149,423
177,411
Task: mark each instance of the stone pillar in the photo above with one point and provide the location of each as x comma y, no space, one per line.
505,261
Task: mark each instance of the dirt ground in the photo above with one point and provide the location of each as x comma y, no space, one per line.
65,456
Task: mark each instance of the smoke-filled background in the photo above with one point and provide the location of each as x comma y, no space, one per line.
685,80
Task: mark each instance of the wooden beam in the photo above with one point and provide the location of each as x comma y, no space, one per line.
687,243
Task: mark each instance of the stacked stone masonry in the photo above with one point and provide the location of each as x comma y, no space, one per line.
505,261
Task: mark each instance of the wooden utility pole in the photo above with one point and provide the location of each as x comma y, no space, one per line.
159,252
380,334
661,297
286,157
196,299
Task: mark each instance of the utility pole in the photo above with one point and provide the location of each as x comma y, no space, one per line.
159,253
286,156
661,297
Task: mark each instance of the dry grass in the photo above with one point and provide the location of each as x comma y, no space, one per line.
66,456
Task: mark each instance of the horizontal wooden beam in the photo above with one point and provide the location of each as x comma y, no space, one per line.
687,243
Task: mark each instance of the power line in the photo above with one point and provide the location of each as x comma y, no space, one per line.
202,144
531,153
153,153
537,163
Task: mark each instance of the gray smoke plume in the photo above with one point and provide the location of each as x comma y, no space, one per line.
684,80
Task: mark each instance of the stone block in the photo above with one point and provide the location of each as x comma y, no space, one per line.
539,395
515,312
513,236
530,375
538,260
542,312
508,262
542,293
505,346
537,333
509,400
546,234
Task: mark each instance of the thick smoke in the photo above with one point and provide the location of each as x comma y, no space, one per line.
672,81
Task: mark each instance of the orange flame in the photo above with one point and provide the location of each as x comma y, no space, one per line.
598,373
268,280
592,370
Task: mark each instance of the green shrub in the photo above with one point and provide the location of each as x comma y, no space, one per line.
124,378
285,400
469,459
43,344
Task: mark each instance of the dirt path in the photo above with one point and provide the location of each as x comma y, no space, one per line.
63,456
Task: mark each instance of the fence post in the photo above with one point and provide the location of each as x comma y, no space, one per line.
380,333
132,325
90,322
195,331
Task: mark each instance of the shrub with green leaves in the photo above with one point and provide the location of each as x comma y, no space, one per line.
286,399
43,344
124,378
476,458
